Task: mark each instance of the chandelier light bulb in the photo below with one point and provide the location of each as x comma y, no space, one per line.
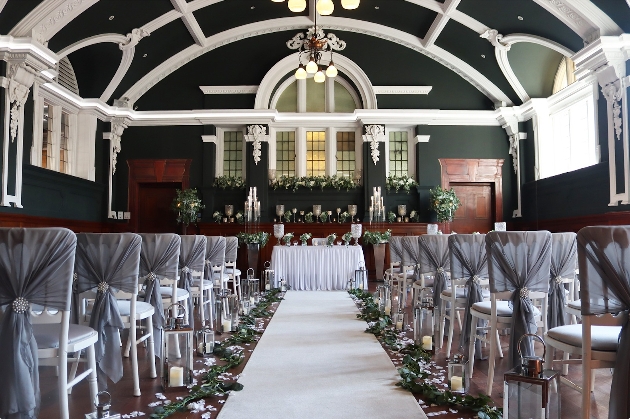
311,67
331,71
348,4
300,73
297,5
277,1
319,77
325,7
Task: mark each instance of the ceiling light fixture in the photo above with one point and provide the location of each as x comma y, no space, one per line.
324,7
311,46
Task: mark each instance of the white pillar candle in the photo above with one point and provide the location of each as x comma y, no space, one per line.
457,383
251,299
176,377
427,343
388,310
267,287
399,325
227,325
209,347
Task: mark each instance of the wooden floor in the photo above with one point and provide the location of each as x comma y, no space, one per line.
125,403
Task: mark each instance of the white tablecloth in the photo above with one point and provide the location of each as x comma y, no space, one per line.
312,268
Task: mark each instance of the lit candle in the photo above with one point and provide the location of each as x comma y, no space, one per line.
457,383
227,325
399,325
176,377
267,287
209,347
427,343
388,310
251,299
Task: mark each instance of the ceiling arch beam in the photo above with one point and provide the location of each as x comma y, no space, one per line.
333,23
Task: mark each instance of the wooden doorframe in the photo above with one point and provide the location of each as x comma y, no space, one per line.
476,171
154,171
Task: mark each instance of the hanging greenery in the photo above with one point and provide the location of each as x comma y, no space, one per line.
229,182
404,182
187,206
413,378
444,202
293,183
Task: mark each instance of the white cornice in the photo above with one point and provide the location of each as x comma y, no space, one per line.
229,90
422,138
36,54
583,17
402,90
209,139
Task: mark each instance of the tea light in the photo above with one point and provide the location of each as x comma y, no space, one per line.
457,383
427,343
176,377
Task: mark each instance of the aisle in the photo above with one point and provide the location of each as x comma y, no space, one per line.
315,361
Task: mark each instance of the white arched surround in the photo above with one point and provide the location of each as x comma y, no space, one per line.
265,96
339,79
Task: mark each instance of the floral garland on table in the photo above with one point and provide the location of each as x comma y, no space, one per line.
413,377
211,384
293,183
187,205
444,202
404,182
229,182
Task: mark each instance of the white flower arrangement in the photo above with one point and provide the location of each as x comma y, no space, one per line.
404,182
304,238
330,239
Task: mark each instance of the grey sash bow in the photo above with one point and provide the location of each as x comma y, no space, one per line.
191,258
435,257
563,264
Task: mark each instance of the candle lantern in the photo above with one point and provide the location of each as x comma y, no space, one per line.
102,408
269,276
224,316
177,350
234,306
457,374
530,391
204,341
283,285
385,299
432,229
400,321
424,322
278,232
360,277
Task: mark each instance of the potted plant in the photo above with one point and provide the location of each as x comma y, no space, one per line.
378,240
444,202
187,205
304,238
254,242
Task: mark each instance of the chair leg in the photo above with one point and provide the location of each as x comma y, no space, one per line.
494,343
73,369
202,307
132,339
471,346
62,384
451,327
151,347
91,358
498,343
459,318
565,367
127,346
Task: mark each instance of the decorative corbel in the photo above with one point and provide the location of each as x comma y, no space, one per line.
256,134
133,38
18,93
494,37
613,93
118,127
374,134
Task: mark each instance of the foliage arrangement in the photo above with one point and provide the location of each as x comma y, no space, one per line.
187,205
211,385
330,239
323,216
304,237
217,216
293,183
287,216
347,237
404,182
413,378
414,216
239,217
260,237
308,218
376,237
344,216
229,182
444,202
286,239
391,217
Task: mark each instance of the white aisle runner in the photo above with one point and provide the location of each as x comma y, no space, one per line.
315,361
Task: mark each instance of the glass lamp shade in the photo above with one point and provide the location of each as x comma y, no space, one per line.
277,1
331,71
319,77
325,7
312,67
348,4
297,5
300,73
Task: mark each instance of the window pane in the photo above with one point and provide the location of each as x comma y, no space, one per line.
345,154
315,153
47,135
233,153
285,154
398,153
64,167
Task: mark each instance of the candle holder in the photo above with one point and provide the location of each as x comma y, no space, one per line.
269,277
500,226
278,232
329,213
352,210
402,210
294,211
301,219
280,211
339,215
355,231
317,211
204,341
458,374
432,229
229,210
377,206
103,409
177,350
400,321
424,322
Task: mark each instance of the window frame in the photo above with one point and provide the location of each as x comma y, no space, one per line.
411,149
220,149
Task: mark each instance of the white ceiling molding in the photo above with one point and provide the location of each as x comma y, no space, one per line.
190,22
439,22
209,139
163,20
2,4
610,51
333,23
402,90
287,65
228,90
522,37
36,55
49,17
422,138
114,38
123,67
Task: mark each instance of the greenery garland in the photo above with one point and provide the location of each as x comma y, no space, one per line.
293,183
211,385
376,237
412,377
404,182
229,182
260,237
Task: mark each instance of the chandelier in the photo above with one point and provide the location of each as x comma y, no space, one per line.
324,7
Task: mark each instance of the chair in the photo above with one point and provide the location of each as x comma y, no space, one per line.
232,274
36,269
469,280
214,268
411,258
192,256
604,262
110,263
434,258
518,270
159,260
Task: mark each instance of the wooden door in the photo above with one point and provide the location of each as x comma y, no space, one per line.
154,207
476,211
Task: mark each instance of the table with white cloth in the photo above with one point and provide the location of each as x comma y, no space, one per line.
311,268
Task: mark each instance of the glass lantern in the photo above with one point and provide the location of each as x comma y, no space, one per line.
432,229
283,285
400,321
385,299
457,374
177,351
204,341
102,408
269,276
360,277
234,307
424,322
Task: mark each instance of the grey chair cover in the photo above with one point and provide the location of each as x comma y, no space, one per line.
192,256
107,262
469,260
434,256
231,249
519,261
563,264
35,267
158,259
604,262
395,249
215,253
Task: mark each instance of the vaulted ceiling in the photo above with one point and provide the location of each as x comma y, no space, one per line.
156,53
